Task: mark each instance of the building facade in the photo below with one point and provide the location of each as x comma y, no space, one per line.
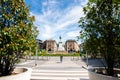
50,45
71,46
40,44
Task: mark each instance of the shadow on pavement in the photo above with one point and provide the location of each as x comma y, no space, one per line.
95,62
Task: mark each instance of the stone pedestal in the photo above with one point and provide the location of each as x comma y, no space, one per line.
60,47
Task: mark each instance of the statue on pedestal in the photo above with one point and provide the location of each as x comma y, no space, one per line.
60,45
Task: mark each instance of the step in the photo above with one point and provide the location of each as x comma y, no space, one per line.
65,76
59,75
60,71
57,78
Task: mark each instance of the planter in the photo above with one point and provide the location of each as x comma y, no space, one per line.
96,76
20,74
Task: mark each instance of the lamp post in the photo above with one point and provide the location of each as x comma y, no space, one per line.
36,57
81,48
86,58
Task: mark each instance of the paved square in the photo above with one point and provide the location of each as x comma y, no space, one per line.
53,69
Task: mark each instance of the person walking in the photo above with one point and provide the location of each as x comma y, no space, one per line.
61,58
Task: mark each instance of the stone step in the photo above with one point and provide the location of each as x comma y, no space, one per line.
58,78
58,75
59,71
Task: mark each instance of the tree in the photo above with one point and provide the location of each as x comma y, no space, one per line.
17,34
101,29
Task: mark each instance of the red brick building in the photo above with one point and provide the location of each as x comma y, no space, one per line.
50,45
71,46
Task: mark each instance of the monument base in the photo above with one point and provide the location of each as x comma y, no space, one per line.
60,47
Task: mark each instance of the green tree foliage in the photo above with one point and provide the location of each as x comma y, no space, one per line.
101,30
17,34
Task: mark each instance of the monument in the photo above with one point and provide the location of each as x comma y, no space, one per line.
60,45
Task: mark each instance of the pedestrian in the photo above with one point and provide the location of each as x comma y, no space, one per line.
61,58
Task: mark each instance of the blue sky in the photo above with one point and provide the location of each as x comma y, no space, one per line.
54,18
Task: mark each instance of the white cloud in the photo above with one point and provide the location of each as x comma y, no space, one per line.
52,1
54,21
73,33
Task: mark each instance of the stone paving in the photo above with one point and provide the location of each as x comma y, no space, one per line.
52,69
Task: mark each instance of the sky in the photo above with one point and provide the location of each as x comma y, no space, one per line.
55,18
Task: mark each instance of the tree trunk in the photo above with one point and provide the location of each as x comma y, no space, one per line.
110,68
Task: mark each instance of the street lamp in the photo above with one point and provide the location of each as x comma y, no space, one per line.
36,57
86,58
81,48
